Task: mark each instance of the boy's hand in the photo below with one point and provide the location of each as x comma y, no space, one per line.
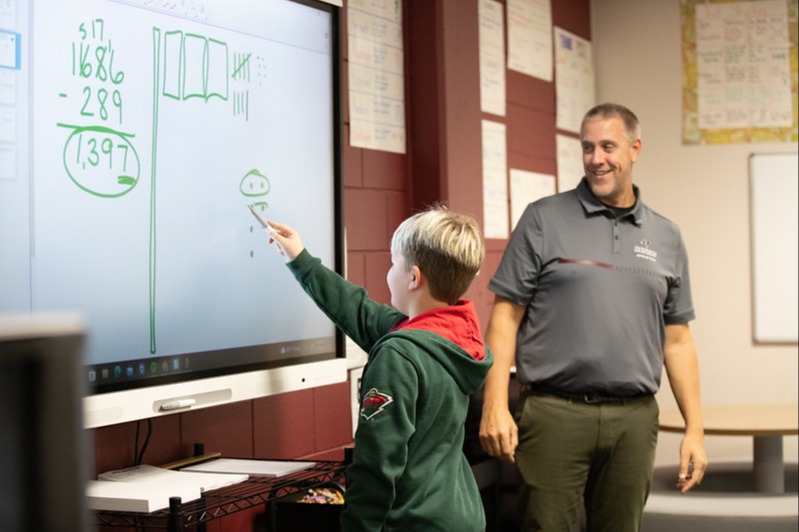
287,241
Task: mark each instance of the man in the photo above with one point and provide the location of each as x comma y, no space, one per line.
592,297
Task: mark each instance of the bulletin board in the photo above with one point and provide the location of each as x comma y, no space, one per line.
739,77
774,197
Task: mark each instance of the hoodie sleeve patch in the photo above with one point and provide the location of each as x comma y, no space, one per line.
374,402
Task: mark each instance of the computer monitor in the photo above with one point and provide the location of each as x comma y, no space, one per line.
42,444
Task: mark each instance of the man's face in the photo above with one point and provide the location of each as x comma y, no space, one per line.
608,157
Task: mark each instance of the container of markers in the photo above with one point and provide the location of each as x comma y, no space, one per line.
317,509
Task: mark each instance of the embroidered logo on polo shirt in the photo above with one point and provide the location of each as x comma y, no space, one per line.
374,402
643,251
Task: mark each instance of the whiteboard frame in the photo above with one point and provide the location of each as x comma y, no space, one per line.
773,218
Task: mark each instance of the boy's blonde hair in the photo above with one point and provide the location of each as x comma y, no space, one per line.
447,247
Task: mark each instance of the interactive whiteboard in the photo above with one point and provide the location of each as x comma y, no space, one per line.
139,132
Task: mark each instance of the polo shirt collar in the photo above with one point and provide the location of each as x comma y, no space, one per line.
593,206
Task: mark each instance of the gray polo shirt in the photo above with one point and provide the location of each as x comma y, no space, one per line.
598,291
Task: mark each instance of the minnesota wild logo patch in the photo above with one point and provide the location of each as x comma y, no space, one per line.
374,402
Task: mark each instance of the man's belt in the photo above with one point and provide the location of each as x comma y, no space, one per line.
590,398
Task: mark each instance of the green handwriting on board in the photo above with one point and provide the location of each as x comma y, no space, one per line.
255,185
100,155
99,158
101,161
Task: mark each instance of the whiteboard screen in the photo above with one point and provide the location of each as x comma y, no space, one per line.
774,201
135,134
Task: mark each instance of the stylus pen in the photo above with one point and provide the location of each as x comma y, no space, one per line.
261,218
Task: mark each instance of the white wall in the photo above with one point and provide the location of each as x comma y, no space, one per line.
705,190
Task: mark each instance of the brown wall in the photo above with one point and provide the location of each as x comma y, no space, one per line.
443,163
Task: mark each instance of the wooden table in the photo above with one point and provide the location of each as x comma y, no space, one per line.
766,423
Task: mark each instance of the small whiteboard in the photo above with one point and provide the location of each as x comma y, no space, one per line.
774,198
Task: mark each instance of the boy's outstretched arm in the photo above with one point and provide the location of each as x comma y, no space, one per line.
346,304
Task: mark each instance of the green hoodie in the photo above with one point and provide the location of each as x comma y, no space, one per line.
409,472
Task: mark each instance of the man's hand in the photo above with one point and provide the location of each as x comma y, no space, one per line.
682,367
693,463
499,434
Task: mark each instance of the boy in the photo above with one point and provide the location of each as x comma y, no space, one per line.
426,356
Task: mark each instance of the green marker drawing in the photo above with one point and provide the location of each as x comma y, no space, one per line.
101,160
254,184
194,66
153,232
242,64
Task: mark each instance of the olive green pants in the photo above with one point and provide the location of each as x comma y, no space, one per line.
572,454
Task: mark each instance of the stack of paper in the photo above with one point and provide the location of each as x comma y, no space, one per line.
260,468
148,488
158,475
135,497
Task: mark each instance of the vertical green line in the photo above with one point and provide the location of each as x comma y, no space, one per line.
154,148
